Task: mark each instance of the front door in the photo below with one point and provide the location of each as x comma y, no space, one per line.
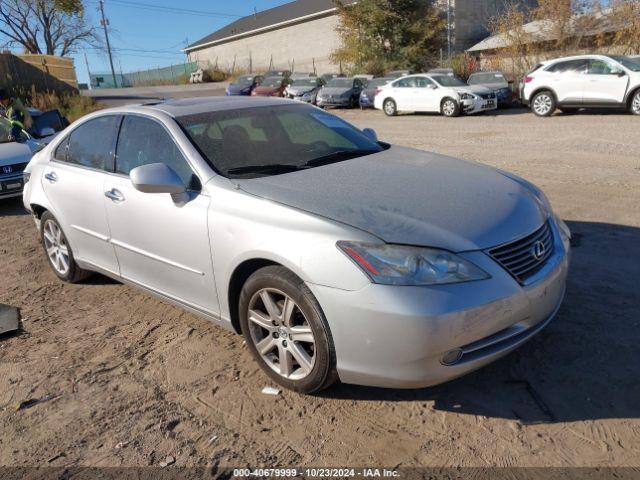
161,243
74,184
606,83
427,95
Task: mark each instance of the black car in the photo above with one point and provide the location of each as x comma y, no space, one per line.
244,85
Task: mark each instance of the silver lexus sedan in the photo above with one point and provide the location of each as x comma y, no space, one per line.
337,256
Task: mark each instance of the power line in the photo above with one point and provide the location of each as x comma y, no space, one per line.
176,10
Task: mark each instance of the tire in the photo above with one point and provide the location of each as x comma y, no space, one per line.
389,107
275,334
55,245
568,111
449,107
634,106
543,104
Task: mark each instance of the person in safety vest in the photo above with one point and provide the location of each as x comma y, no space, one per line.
15,112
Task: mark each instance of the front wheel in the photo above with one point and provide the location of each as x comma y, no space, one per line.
390,108
635,103
543,104
450,108
58,251
286,331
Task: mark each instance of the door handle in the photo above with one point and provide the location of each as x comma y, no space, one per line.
51,176
114,195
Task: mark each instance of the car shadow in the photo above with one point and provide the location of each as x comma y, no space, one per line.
582,366
12,207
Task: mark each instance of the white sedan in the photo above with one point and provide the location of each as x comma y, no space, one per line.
438,93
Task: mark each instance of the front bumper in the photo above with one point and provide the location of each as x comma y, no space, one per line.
390,336
478,105
334,102
11,185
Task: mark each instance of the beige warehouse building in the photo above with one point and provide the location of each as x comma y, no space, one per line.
301,35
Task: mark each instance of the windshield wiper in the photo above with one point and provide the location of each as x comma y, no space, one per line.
338,156
273,168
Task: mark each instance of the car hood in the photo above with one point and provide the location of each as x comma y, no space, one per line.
238,88
411,197
335,91
266,89
15,152
300,90
477,89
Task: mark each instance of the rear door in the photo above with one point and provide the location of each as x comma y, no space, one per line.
568,79
606,83
161,243
404,93
74,184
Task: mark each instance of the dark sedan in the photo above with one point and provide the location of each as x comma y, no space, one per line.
369,93
244,85
340,92
271,87
494,81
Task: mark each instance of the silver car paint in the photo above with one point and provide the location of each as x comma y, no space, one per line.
384,335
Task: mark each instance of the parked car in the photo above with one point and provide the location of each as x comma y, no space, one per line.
398,73
277,73
279,240
443,71
592,81
445,94
46,124
304,89
369,93
340,92
330,76
15,153
271,87
495,81
244,85
298,75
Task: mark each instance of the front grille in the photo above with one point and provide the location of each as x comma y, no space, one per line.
10,170
526,256
488,96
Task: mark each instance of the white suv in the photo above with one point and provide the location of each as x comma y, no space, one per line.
591,81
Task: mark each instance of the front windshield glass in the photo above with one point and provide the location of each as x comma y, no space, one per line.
244,80
448,81
376,82
289,136
305,82
340,83
483,78
632,64
272,82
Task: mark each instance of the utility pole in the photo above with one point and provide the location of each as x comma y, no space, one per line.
104,22
86,61
449,30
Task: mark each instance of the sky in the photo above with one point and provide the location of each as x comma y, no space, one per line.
150,33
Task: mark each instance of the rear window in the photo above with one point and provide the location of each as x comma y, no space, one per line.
481,78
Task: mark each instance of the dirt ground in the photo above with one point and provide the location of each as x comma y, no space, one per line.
126,380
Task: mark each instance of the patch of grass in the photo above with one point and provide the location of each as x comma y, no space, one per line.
72,106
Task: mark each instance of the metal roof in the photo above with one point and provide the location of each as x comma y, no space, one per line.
293,12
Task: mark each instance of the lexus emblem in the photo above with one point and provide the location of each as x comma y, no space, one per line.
538,250
7,169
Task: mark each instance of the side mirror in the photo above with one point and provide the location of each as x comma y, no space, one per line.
371,134
156,178
432,86
621,73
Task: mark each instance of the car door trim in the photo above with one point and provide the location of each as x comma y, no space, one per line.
152,256
91,233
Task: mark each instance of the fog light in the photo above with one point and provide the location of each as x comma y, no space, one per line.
451,357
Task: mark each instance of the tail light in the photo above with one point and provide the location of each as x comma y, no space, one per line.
378,90
528,79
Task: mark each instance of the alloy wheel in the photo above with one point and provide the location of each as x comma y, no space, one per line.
56,247
635,105
281,334
543,104
449,108
389,107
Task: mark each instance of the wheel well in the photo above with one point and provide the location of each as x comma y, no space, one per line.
544,89
238,279
38,210
632,94
388,98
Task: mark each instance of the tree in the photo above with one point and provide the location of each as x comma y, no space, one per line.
52,27
380,35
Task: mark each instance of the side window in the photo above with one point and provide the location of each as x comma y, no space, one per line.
143,141
61,151
406,83
91,144
423,82
600,67
571,66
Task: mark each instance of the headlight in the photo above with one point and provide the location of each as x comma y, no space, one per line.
467,96
402,265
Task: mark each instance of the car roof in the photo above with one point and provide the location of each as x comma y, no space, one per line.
575,57
192,106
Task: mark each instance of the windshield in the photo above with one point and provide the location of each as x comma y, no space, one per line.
376,82
480,78
448,81
245,80
305,82
340,83
272,82
632,64
291,136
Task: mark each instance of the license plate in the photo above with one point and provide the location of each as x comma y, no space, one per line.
12,186
490,104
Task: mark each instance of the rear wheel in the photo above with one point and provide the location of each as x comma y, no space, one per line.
450,108
286,331
390,108
543,104
635,103
59,253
